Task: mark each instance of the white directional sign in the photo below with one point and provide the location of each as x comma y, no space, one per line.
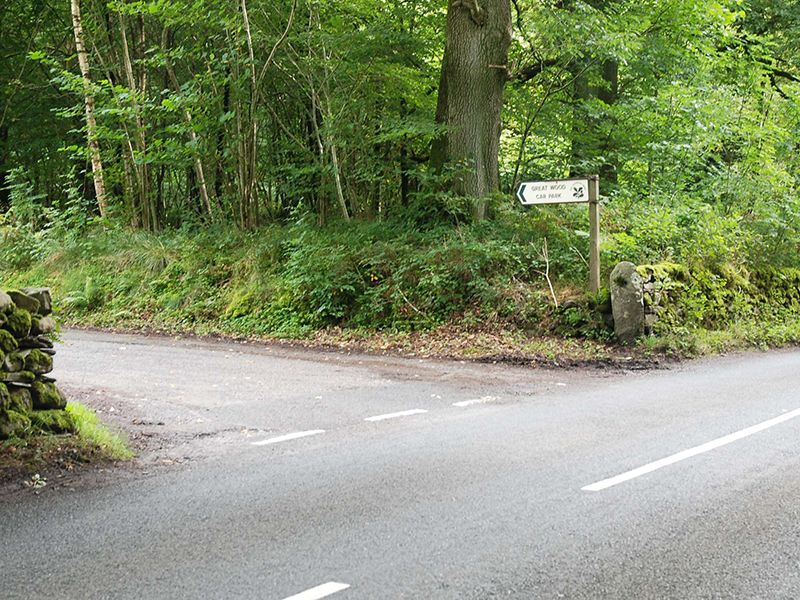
554,192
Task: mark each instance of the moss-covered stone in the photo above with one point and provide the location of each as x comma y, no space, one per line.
35,342
5,397
47,396
13,363
8,342
19,323
733,276
21,400
25,302
13,422
43,296
776,288
38,363
52,421
664,270
18,377
42,325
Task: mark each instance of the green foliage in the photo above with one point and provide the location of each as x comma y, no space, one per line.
288,280
26,208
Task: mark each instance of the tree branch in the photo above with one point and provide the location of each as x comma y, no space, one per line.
530,71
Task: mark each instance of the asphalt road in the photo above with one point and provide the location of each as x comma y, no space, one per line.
488,493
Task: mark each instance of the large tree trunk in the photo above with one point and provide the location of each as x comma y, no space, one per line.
91,121
470,103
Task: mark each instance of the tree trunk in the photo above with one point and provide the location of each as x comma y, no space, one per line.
198,164
91,121
470,102
141,168
609,94
580,128
588,139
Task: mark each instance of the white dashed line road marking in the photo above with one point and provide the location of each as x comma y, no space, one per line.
476,401
648,468
288,436
326,589
405,413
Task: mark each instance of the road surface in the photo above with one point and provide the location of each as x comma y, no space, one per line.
327,475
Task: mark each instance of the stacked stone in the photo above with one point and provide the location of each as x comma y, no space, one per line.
27,394
651,289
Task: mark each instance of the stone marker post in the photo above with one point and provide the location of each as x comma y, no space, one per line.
627,302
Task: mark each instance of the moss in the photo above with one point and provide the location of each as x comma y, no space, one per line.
664,270
21,400
38,362
46,396
23,301
776,289
13,362
18,377
19,323
8,342
5,397
52,421
43,296
13,422
733,276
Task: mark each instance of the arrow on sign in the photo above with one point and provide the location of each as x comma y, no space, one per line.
521,193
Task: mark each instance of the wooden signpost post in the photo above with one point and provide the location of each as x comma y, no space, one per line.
571,190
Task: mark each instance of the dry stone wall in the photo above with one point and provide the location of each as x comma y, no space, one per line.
29,397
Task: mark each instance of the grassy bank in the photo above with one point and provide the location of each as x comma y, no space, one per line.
397,286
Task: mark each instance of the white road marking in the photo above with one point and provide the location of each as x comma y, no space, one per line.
405,413
288,436
648,468
326,589
476,401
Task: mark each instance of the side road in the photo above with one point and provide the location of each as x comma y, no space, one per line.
182,399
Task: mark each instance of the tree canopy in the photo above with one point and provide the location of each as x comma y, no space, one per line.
243,113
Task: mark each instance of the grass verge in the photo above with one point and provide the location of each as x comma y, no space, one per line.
96,436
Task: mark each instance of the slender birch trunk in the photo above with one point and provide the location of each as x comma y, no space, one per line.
143,173
250,140
249,136
198,164
91,121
